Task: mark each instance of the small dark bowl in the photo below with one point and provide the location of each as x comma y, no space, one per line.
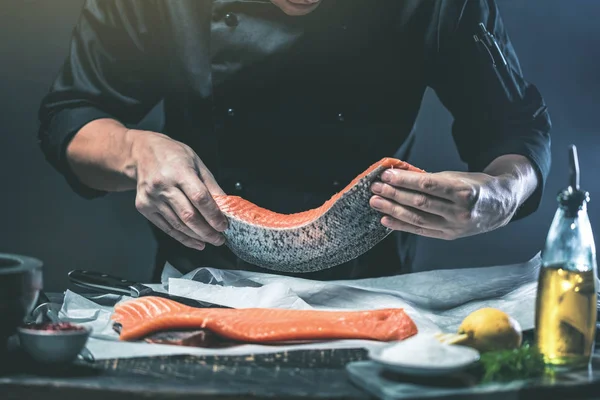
20,285
53,347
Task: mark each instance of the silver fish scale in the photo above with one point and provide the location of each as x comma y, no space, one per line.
345,231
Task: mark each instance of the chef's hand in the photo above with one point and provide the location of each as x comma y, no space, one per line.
175,189
445,205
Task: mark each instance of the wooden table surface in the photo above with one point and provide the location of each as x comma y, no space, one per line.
307,374
294,375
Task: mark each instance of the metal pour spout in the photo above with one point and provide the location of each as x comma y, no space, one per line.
574,168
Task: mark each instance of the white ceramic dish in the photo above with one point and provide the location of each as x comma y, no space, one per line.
471,357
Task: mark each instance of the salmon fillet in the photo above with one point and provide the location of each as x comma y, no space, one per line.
343,228
147,315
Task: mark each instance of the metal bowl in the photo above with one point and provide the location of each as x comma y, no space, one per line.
20,285
53,347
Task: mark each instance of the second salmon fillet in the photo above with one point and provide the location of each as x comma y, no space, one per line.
141,317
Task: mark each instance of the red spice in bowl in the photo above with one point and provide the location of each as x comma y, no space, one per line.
51,327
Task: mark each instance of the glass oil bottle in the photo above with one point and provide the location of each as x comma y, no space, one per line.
566,304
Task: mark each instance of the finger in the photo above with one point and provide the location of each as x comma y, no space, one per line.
202,200
431,184
174,221
161,222
210,182
417,200
181,215
397,225
149,209
406,214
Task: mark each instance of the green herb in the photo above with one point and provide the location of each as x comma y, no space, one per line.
507,365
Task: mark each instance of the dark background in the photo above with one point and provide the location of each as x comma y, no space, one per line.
558,42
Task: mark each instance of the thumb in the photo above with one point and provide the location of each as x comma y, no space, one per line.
212,185
209,180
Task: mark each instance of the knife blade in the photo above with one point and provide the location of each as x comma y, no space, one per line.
106,283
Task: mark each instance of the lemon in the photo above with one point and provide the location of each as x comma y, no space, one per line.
489,329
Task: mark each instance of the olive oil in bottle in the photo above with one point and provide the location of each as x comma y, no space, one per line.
566,318
565,323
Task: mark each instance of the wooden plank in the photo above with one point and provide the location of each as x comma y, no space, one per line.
330,359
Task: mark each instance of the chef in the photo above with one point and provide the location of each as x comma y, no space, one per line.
283,102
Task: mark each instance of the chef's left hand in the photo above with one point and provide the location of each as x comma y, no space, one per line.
445,205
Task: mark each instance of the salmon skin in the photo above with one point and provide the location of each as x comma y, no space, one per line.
343,228
141,317
195,338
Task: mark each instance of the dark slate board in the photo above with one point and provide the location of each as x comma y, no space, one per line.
463,385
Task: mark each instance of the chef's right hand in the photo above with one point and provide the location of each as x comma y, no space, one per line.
175,189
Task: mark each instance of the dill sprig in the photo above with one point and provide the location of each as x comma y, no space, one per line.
507,365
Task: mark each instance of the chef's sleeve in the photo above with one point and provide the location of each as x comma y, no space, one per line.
479,80
111,71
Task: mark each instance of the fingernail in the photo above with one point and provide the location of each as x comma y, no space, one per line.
223,226
200,246
377,202
377,187
219,241
387,176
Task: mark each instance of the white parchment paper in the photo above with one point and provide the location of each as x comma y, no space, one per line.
436,300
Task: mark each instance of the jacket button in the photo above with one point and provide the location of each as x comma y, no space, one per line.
238,186
231,19
336,184
341,117
231,112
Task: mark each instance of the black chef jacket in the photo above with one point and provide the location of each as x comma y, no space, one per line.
286,110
